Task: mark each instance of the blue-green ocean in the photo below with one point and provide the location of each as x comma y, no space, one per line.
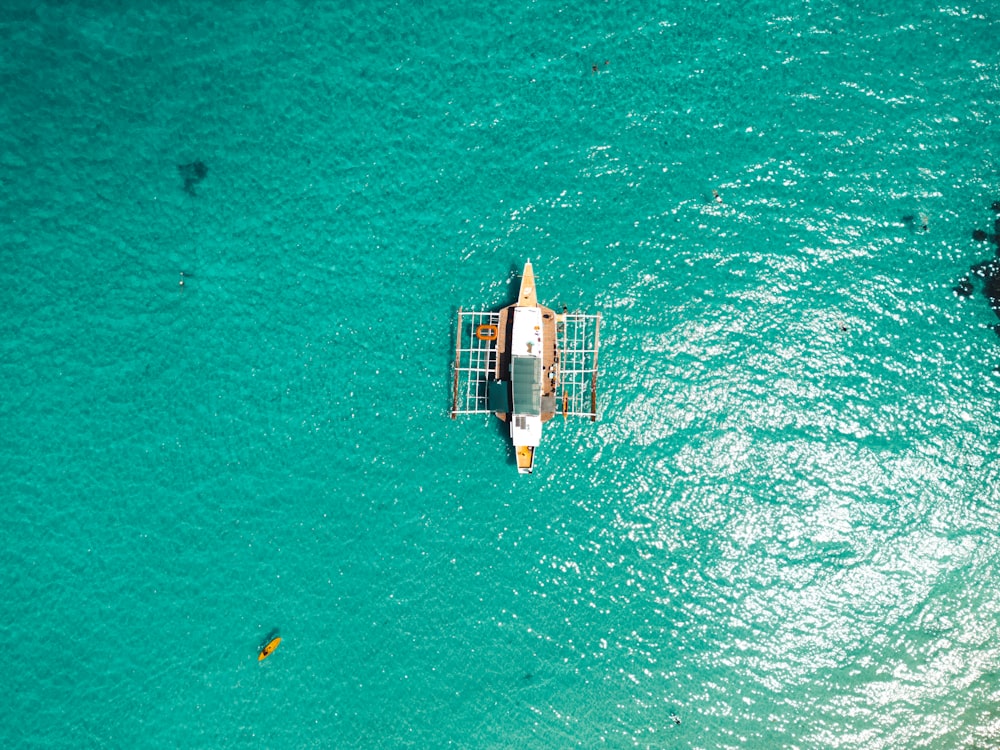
234,238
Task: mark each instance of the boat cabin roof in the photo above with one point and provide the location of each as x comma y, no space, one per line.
526,382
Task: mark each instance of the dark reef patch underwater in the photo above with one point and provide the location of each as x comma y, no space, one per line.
987,270
192,173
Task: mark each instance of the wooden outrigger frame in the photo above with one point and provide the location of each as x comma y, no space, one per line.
578,342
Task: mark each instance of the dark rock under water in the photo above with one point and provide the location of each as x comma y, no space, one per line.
192,174
987,270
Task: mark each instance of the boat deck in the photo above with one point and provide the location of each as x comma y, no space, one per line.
550,357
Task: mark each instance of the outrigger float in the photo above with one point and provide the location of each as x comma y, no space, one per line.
526,364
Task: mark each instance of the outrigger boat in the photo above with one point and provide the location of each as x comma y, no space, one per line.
525,364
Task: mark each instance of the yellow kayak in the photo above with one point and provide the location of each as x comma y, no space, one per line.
268,649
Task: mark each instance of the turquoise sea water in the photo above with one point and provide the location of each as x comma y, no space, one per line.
782,531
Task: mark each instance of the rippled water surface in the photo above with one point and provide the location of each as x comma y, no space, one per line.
782,531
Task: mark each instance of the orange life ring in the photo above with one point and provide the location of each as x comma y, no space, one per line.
487,332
